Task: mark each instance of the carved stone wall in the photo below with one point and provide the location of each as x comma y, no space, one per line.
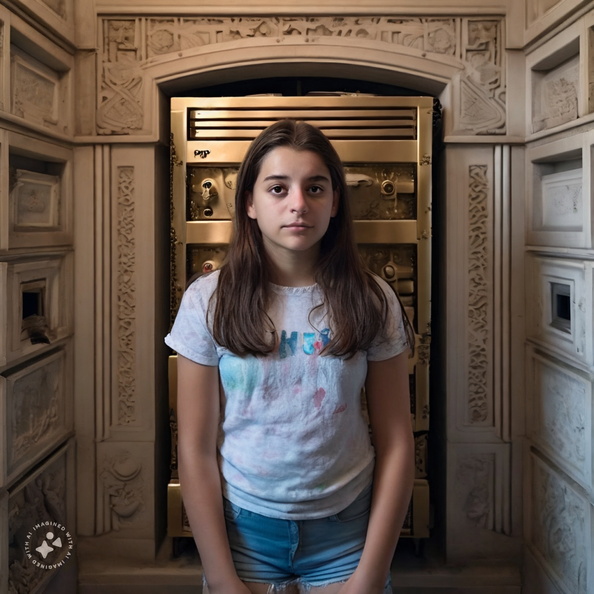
559,304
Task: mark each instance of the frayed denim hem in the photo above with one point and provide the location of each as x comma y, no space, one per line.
304,588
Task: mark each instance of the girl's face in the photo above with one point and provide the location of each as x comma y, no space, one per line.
292,201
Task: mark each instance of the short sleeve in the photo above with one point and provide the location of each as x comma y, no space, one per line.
190,335
393,340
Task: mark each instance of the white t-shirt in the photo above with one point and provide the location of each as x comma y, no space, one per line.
293,441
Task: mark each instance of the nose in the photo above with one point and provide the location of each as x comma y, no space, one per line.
298,202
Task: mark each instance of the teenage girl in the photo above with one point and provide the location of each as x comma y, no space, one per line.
284,488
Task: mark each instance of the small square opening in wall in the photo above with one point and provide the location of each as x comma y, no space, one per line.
561,307
34,324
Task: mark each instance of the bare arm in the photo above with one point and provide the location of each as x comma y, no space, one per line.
198,419
389,413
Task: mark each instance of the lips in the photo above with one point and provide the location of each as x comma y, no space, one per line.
297,226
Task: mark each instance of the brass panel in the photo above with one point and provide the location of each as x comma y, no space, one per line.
343,116
329,129
307,103
177,520
386,231
219,232
209,232
367,151
386,146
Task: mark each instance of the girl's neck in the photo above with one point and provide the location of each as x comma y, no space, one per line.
295,269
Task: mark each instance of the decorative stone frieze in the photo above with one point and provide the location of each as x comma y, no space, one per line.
132,45
126,296
478,298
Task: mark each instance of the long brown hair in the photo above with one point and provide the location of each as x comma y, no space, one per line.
356,304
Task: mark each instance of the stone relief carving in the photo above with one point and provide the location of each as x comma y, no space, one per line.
35,90
42,499
35,201
562,201
482,87
560,526
562,424
478,299
39,92
476,480
124,486
126,301
37,415
130,44
556,96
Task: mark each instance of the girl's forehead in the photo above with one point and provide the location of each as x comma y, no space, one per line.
286,157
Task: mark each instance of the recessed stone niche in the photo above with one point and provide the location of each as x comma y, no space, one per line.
38,308
555,88
39,194
36,412
559,199
559,305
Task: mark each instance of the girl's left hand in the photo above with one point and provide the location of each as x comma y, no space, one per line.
357,584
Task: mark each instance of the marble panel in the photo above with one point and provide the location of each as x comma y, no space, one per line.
561,529
479,497
38,305
555,95
40,510
559,193
36,412
561,421
40,194
39,93
559,305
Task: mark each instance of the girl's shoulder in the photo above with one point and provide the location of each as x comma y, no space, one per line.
383,284
202,288
205,283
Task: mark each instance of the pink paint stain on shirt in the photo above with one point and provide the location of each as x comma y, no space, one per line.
319,397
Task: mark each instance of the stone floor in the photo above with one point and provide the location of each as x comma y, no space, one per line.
181,574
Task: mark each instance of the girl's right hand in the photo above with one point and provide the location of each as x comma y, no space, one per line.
231,586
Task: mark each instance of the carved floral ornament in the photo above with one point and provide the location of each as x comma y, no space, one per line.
131,45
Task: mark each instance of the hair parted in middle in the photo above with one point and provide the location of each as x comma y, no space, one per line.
356,304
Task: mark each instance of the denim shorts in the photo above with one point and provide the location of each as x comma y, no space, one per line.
312,553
